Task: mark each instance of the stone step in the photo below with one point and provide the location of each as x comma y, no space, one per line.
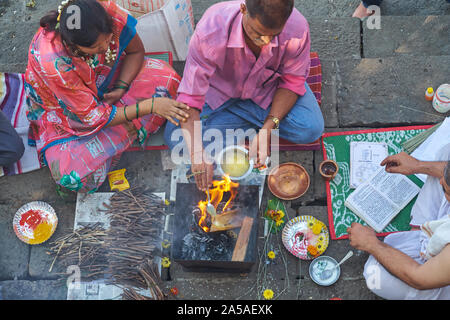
14,10
345,8
16,39
382,92
32,290
417,35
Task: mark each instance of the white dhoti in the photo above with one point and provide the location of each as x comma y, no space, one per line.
430,205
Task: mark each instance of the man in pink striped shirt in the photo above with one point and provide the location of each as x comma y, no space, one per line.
246,69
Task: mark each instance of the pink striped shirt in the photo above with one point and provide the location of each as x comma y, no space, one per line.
221,66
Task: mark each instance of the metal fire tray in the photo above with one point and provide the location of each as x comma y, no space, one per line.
221,251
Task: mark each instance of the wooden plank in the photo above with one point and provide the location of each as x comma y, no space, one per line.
240,249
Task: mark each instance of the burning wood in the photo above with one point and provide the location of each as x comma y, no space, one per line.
226,217
224,242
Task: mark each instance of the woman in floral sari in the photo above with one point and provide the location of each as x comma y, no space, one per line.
91,91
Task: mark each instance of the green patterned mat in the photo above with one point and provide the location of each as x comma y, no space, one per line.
336,146
165,56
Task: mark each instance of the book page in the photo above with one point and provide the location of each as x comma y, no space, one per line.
371,206
380,199
396,187
365,159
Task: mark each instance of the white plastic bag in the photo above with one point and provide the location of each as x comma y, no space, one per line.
163,25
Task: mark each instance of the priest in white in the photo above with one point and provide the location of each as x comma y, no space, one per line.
413,264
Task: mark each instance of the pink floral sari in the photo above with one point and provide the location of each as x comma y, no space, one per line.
68,118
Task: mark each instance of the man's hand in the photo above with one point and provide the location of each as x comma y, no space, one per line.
203,173
362,237
113,96
259,149
401,163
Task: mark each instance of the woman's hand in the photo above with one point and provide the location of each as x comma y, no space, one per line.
171,110
113,96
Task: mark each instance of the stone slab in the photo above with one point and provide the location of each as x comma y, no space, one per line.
200,6
329,93
327,8
33,290
345,8
17,191
18,11
335,38
415,7
14,254
389,91
18,39
416,35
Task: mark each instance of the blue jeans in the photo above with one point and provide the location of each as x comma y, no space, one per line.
303,124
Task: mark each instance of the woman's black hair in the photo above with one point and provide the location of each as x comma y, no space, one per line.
93,21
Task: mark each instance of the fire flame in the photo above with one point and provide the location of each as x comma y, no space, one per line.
216,194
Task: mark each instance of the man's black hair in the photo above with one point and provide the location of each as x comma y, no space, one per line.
272,14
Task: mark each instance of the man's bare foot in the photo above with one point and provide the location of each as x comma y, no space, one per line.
362,12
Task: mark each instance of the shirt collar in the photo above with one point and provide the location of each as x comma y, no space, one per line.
236,37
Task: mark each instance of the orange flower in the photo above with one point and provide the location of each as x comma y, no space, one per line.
312,250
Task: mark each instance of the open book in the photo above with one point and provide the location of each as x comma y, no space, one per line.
379,199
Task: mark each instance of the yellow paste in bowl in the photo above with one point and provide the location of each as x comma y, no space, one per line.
235,163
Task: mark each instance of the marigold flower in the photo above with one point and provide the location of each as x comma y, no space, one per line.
280,214
268,294
165,244
167,202
276,215
279,222
165,262
312,250
174,291
271,255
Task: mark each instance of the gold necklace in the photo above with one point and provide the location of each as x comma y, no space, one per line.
110,56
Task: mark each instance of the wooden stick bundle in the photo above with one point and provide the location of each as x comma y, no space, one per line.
136,219
125,251
83,248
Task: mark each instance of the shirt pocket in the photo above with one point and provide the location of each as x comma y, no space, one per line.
267,78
